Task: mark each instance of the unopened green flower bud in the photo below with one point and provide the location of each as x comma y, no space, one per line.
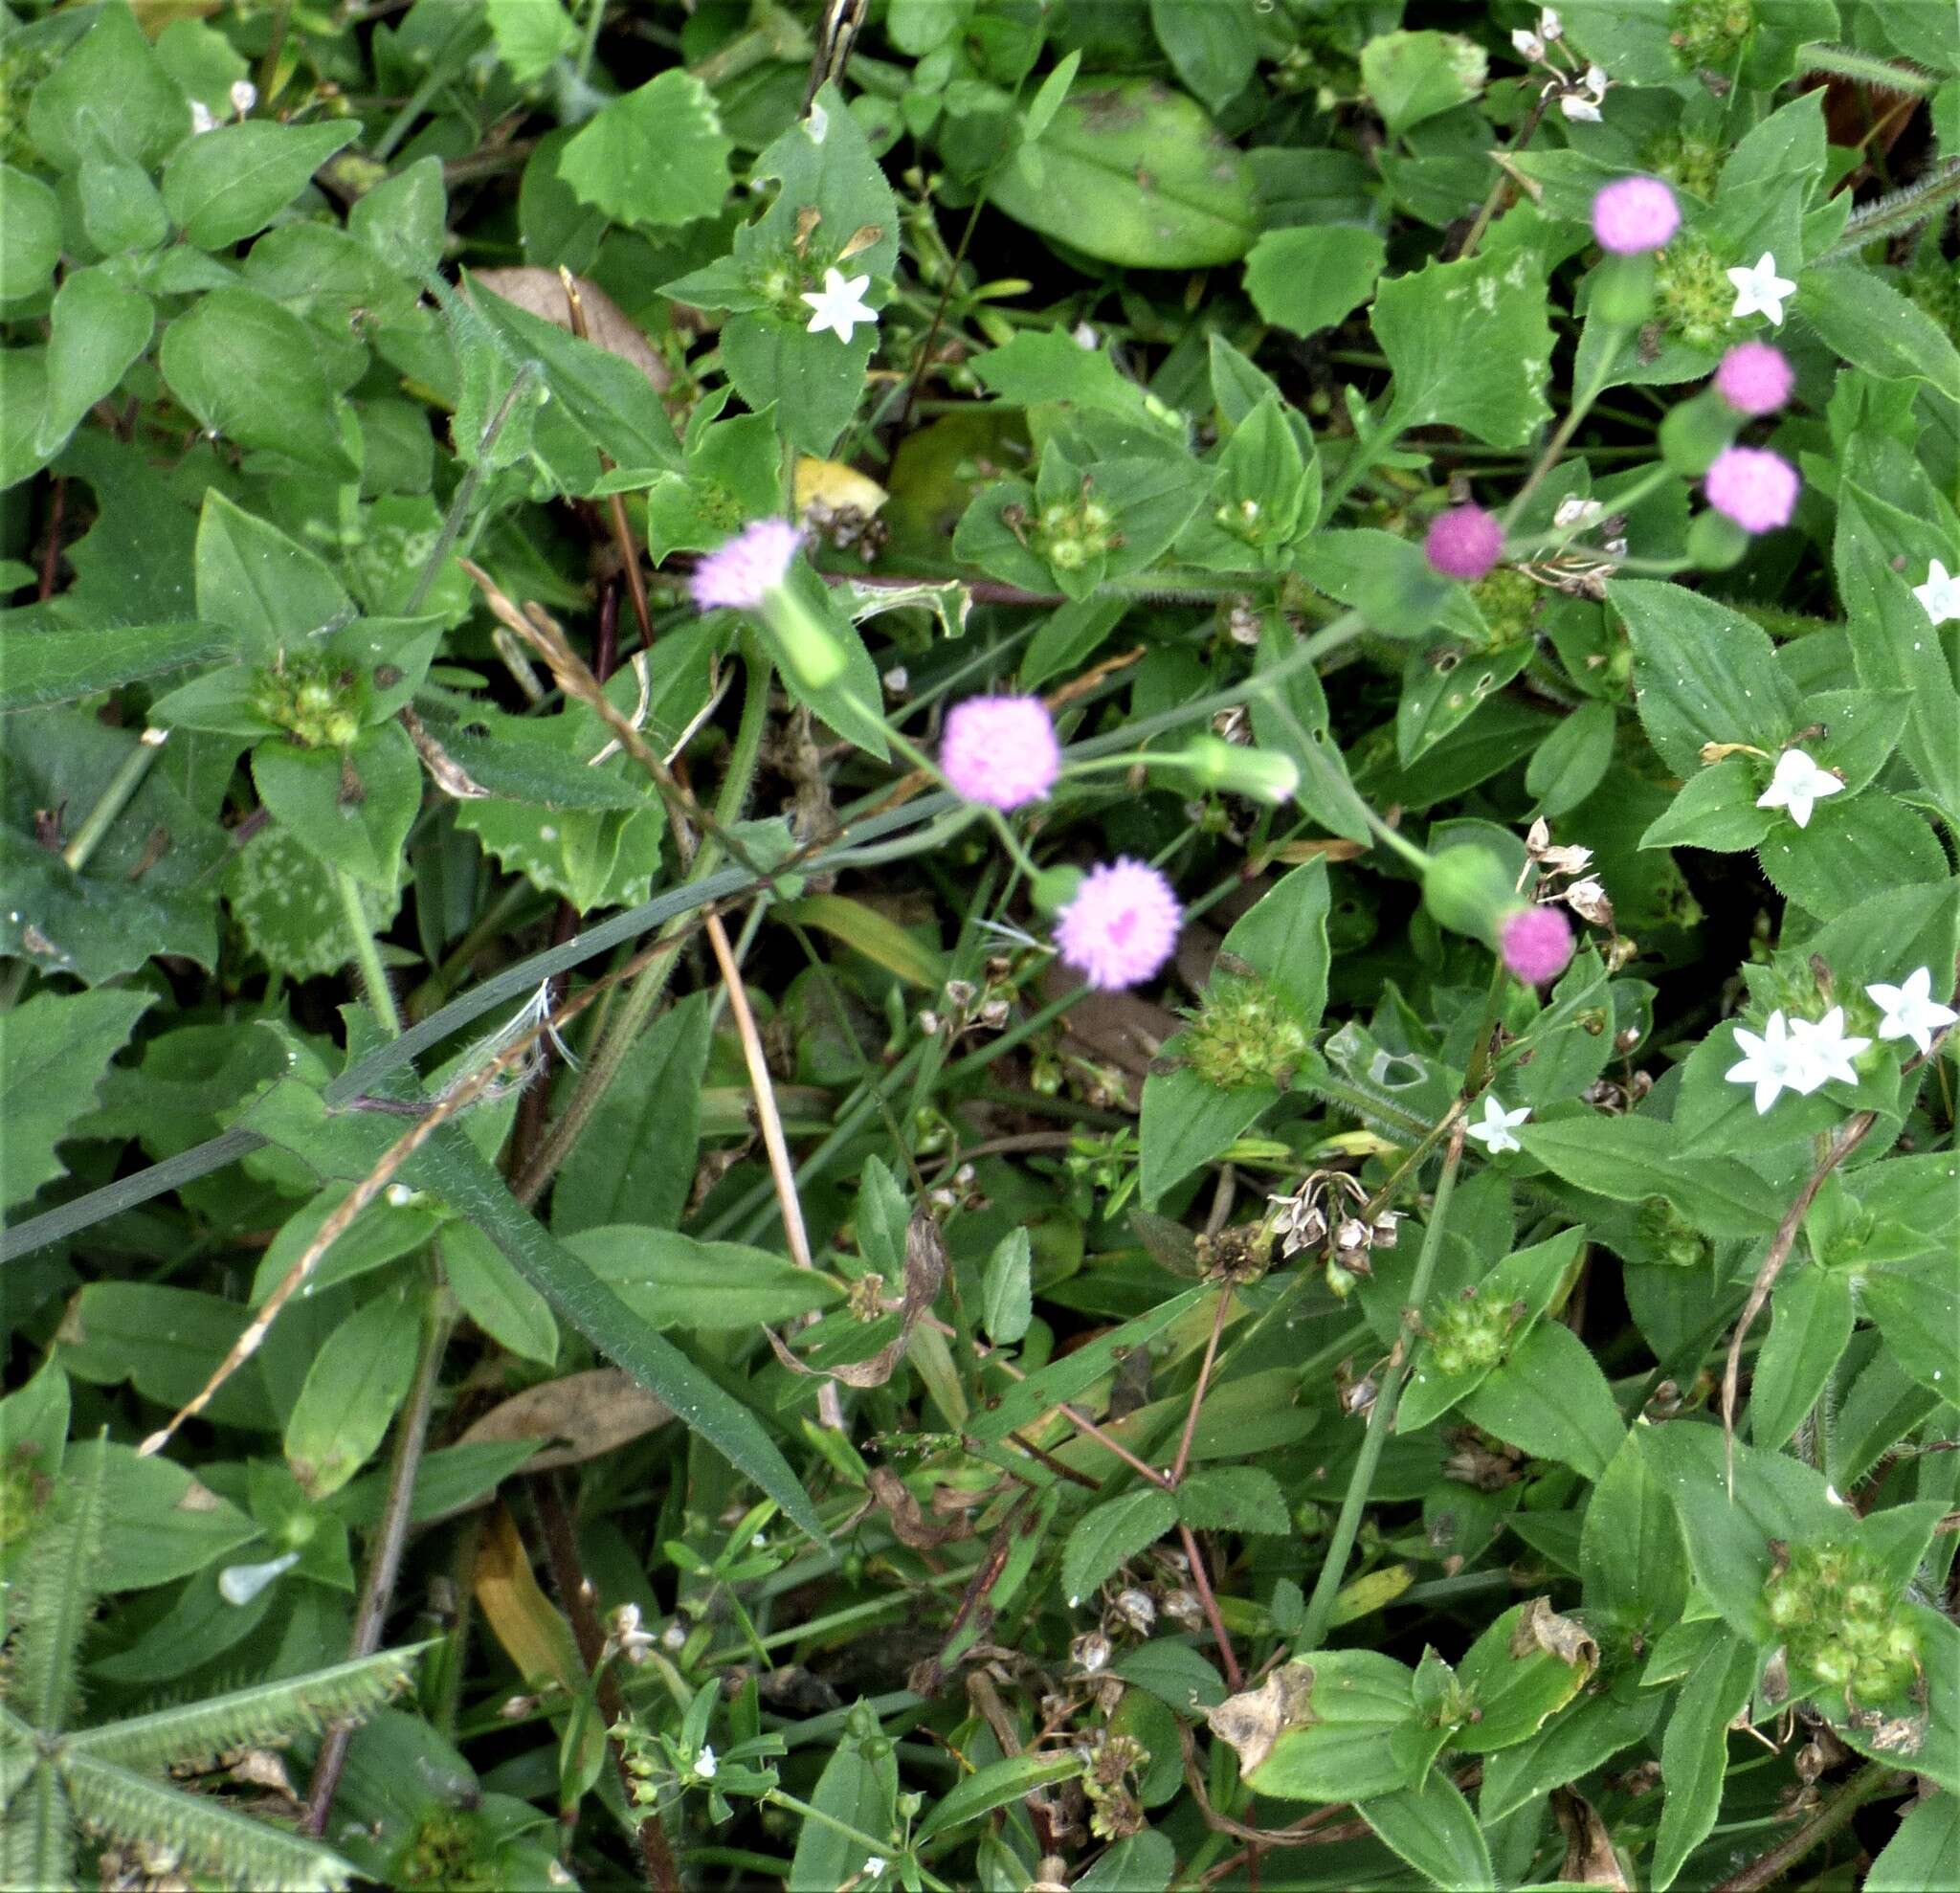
1715,541
1468,890
1239,771
1053,888
806,644
1695,432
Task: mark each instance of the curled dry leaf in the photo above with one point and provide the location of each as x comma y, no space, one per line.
1251,1721
579,1416
538,292
1590,1860
907,1516
1542,1628
924,1272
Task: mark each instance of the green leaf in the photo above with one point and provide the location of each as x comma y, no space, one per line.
1702,673
251,578
856,1790
402,218
109,94
1234,1498
1411,76
1923,1850
865,930
249,371
674,1280
1631,1159
1575,1743
352,807
358,1379
1571,761
1916,1310
1360,1702
1213,49
494,1295
29,235
1108,1535
1470,346
1550,1399
166,1523
998,1785
1630,1552
531,37
1293,720
1128,172
1694,1753
48,666
166,1343
655,156
1875,327
55,1049
635,1163
99,329
1284,937
1853,847
1715,810
1076,1371
1007,1297
289,912
1434,1828
1185,1122
229,184
1811,1319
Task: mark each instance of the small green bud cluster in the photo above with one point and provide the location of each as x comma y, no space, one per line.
1840,1618
1692,292
1708,34
1509,602
1070,536
1678,1241
1472,1334
319,703
1694,163
22,69
1243,1032
1114,1809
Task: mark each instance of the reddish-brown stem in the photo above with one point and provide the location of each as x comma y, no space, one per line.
1197,1392
1201,1579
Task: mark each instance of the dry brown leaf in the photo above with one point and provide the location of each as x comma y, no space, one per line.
538,292
532,1629
907,1516
1542,1628
924,1272
588,1414
1251,1721
1590,1860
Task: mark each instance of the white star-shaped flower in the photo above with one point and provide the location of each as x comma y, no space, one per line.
1910,1011
875,1866
1759,291
1940,594
839,306
1797,785
1768,1062
1821,1052
1494,1133
706,1764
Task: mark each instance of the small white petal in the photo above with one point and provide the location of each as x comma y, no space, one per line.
839,306
1759,291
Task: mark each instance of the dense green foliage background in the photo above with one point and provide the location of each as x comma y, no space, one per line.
587,1299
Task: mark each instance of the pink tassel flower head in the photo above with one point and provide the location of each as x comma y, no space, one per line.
1000,751
1536,944
1755,488
1633,215
1121,926
1755,378
741,571
1464,542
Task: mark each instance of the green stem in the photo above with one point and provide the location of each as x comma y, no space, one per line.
366,956
1358,463
1582,403
589,46
1897,210
1381,1415
1882,73
114,799
1866,1785
777,1799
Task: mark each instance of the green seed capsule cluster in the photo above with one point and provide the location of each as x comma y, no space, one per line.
1840,1618
1473,1333
1242,1034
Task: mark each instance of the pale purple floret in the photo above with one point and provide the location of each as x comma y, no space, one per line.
1755,488
1000,751
1122,925
1537,943
1633,215
740,572
1464,542
1755,378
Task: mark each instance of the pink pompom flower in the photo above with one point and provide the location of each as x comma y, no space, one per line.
1755,378
1536,944
1000,751
1633,215
1122,925
741,571
1755,488
1464,542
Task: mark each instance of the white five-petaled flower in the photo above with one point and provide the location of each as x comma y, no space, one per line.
1910,1011
874,1866
1769,1061
1797,785
1494,1133
1759,291
1821,1052
706,1764
839,306
1940,594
